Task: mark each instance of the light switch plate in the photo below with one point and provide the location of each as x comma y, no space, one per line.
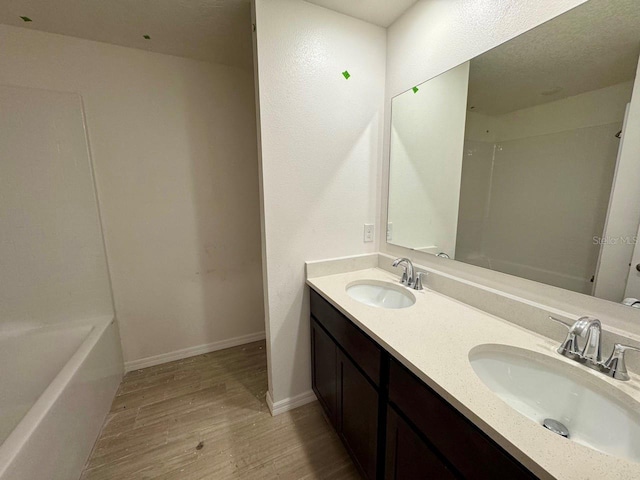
368,232
389,231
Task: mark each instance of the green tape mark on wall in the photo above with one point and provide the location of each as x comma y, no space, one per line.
26,19
346,74
415,89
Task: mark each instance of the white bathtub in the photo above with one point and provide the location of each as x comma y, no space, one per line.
56,387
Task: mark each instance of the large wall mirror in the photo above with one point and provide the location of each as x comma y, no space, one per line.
526,159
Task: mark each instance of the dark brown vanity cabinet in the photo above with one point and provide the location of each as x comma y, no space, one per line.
408,455
463,448
348,398
394,425
348,393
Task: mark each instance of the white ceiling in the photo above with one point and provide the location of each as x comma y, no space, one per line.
217,31
213,30
592,46
378,12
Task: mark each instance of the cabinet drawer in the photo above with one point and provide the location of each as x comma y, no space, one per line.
364,351
469,450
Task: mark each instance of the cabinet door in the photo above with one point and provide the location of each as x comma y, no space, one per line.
408,456
324,372
358,416
469,450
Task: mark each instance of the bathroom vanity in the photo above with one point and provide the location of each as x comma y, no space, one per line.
393,424
406,389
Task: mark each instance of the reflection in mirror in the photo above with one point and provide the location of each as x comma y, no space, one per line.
526,159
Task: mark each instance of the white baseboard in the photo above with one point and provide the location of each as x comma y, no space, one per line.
290,403
191,351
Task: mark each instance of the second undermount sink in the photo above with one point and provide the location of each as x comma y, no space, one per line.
380,294
589,410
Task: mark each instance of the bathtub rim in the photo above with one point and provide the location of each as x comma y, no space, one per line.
20,435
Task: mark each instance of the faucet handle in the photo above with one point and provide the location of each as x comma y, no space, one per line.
561,322
418,283
615,366
568,348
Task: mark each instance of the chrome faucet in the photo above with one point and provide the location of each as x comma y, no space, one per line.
590,329
408,277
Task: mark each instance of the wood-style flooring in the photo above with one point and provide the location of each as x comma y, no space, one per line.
205,417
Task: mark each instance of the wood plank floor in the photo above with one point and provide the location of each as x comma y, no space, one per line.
205,417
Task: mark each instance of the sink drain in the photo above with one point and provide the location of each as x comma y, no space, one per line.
556,427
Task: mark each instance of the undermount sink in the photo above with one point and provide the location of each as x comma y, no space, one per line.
380,294
594,413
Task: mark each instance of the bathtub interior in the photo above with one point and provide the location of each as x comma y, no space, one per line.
30,361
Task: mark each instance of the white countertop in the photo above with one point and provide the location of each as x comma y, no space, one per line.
433,339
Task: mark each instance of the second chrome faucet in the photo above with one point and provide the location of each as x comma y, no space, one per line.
590,329
409,276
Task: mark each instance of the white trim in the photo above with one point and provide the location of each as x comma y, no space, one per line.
290,403
191,351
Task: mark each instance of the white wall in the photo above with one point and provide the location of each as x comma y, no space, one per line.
427,136
596,108
475,195
549,197
554,161
52,255
321,138
173,146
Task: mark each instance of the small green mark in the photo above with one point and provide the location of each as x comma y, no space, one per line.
26,19
415,89
147,37
346,74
